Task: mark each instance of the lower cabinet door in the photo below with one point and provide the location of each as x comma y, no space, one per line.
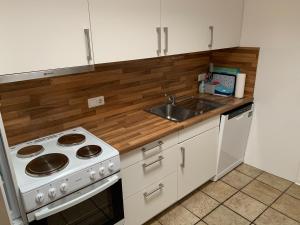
152,200
197,161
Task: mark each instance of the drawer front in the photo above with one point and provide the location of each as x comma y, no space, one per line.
148,150
198,128
146,172
152,200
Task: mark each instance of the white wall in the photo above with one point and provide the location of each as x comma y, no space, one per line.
274,142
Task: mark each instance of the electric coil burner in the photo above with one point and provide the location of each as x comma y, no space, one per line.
89,151
30,151
71,139
47,164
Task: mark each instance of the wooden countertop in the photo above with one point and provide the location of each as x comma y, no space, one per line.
138,128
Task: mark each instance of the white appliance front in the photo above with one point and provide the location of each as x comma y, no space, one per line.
234,132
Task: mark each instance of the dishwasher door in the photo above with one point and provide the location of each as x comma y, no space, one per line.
234,133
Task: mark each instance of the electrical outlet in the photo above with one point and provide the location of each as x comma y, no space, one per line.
95,102
201,76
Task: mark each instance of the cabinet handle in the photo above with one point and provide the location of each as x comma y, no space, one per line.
159,143
160,187
158,30
183,156
166,31
88,44
211,28
160,158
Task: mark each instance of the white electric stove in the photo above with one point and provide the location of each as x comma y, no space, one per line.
54,167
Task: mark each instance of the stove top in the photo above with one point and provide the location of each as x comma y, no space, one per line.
43,161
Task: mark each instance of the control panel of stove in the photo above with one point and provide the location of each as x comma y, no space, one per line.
48,193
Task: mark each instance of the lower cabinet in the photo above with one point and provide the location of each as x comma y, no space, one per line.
182,162
197,161
150,201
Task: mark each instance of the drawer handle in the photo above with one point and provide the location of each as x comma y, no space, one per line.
160,158
160,187
183,156
159,143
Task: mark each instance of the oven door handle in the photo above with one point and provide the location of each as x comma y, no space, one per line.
48,211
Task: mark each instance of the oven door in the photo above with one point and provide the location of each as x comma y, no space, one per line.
98,204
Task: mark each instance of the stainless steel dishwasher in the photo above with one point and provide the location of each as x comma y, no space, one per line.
234,133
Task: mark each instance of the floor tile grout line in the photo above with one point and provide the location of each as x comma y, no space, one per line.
239,189
249,175
211,212
270,206
222,204
284,192
273,186
236,213
260,200
292,196
235,187
289,194
284,214
191,212
235,169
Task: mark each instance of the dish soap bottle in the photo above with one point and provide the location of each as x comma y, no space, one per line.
202,87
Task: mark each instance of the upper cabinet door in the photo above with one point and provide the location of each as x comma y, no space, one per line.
42,34
226,17
187,26
124,30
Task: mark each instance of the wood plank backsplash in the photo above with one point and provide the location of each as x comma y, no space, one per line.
244,58
35,108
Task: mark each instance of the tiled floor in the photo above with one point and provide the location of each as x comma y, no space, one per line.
245,196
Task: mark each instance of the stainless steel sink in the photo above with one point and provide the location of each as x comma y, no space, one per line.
173,112
185,109
200,105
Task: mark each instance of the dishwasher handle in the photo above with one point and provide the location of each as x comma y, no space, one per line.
238,112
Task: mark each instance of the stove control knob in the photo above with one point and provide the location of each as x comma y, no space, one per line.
52,192
39,198
92,175
102,170
111,166
63,187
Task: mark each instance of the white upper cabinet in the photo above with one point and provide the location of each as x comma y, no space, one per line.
124,30
187,26
200,25
226,17
41,34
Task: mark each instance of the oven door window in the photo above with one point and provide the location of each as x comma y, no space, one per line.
105,208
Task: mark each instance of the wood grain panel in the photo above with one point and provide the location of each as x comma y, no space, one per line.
244,58
32,109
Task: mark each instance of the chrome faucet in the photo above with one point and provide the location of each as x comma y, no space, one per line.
171,99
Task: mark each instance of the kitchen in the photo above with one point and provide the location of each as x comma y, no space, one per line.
107,97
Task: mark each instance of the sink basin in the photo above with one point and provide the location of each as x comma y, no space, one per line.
200,105
185,109
173,112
